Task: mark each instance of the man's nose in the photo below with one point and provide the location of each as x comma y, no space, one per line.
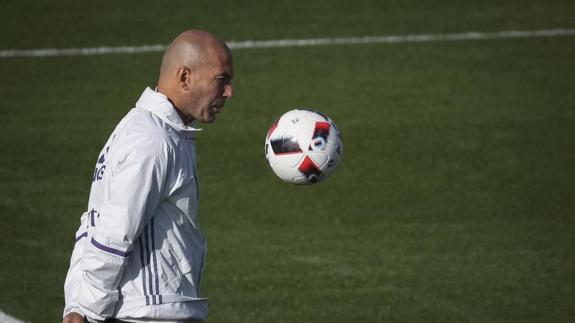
228,91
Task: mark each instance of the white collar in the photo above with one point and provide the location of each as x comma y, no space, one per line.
158,104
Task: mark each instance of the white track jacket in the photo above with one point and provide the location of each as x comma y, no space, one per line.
139,252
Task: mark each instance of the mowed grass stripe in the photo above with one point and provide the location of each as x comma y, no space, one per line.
251,44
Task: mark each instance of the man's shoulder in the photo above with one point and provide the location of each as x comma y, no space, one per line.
140,122
142,129
145,120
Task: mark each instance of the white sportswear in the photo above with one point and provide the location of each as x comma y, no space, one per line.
139,252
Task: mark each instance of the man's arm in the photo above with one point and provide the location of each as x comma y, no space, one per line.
136,173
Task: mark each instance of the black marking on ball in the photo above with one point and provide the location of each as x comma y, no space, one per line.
285,145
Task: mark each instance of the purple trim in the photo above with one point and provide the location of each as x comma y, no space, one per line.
197,185
142,259
148,264
155,261
78,238
110,250
93,214
201,268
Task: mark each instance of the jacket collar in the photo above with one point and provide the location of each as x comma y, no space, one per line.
158,104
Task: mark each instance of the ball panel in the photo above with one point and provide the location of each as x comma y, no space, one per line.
319,158
287,174
285,160
272,129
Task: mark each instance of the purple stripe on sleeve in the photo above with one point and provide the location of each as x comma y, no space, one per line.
149,260
143,262
155,261
78,238
110,250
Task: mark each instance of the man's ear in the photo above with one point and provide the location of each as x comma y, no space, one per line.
184,73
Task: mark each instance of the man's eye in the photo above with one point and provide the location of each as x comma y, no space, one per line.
223,79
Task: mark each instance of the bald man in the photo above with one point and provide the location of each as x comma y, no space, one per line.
139,252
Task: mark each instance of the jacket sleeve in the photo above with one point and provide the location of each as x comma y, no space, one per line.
74,274
134,186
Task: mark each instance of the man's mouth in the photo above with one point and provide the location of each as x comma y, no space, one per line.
217,107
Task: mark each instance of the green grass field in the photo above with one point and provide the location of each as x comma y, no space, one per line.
454,202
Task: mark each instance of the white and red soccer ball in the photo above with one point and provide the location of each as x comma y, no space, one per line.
303,146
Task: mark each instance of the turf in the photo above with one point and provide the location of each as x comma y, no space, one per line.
453,203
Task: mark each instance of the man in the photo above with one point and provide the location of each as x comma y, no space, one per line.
139,252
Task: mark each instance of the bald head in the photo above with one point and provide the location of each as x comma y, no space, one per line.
194,64
192,48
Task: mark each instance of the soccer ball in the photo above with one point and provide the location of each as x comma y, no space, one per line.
303,146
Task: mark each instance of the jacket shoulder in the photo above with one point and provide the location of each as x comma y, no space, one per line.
145,124
143,132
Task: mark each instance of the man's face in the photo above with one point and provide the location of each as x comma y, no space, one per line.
210,86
